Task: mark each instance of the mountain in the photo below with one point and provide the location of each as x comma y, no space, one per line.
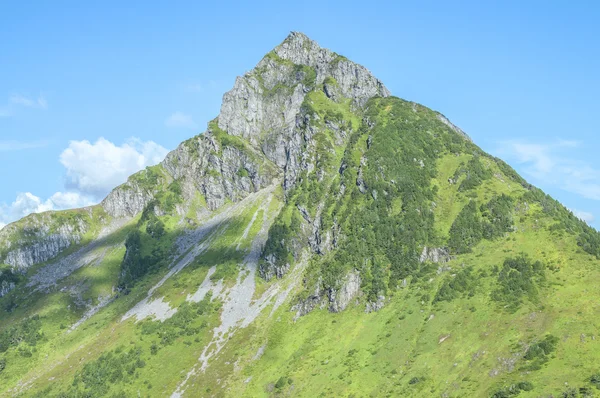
321,238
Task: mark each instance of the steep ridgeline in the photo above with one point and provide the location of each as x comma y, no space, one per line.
321,238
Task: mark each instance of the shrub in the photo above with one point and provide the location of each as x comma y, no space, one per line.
517,279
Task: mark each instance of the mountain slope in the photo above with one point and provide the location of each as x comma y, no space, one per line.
321,238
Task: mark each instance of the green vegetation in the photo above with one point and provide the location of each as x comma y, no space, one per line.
518,278
25,333
538,352
7,275
475,173
490,221
513,390
148,249
464,282
97,377
467,230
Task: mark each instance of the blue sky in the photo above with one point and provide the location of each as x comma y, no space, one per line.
91,93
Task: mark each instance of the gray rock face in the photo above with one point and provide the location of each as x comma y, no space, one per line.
40,243
270,268
265,105
339,300
354,80
5,288
126,200
22,258
335,300
218,172
375,305
435,255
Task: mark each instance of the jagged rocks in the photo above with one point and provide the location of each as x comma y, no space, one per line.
335,300
265,105
41,243
435,255
311,302
47,248
374,306
350,289
127,200
6,287
271,267
354,81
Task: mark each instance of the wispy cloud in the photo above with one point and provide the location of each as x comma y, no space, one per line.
554,163
96,168
180,120
16,101
26,203
13,145
21,100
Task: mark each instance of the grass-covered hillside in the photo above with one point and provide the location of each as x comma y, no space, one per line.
380,253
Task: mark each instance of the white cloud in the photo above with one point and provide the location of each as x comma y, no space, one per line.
69,200
584,215
180,119
550,163
27,203
18,99
13,145
91,169
95,169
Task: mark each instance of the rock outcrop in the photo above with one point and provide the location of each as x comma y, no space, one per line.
39,238
126,200
350,289
438,255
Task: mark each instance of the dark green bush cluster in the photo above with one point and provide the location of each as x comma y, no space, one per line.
518,278
26,332
189,320
136,263
466,230
513,390
489,221
475,173
538,352
453,287
97,377
7,275
282,382
277,244
497,216
155,228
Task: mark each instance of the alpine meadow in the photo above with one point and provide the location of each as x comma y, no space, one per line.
322,238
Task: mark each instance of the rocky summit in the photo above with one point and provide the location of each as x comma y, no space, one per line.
321,238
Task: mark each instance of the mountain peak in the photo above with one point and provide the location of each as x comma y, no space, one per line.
258,103
294,36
